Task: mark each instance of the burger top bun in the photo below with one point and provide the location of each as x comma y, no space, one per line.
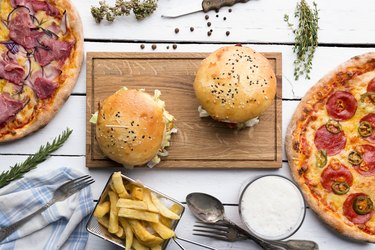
130,127
235,84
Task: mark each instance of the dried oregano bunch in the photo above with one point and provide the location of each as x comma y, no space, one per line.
141,9
306,37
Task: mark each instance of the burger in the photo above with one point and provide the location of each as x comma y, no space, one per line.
133,128
235,85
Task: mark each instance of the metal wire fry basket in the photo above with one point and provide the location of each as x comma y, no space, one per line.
95,228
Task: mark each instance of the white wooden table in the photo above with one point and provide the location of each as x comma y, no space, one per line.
346,29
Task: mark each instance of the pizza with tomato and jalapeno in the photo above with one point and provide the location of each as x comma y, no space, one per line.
41,52
330,144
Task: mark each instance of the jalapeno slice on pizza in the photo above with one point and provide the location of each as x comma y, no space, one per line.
358,208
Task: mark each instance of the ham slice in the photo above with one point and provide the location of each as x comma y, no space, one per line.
10,70
22,30
44,88
37,5
9,107
52,50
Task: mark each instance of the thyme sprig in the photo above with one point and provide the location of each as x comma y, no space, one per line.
18,170
141,9
306,37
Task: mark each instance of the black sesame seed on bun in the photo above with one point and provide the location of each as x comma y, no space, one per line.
235,84
132,127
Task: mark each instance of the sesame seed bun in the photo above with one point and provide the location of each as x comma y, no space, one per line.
130,127
235,84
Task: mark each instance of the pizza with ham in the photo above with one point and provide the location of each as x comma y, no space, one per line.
330,144
41,52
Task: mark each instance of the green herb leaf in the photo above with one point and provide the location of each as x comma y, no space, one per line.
141,9
18,170
306,37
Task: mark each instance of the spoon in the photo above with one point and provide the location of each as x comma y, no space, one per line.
210,210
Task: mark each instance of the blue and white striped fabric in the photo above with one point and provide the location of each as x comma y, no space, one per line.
62,226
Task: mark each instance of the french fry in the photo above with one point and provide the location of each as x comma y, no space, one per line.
118,185
143,235
157,241
127,203
175,208
113,213
147,198
138,246
137,214
128,233
157,247
164,231
102,209
104,221
120,232
163,210
137,193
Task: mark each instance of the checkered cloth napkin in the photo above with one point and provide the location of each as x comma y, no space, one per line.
62,226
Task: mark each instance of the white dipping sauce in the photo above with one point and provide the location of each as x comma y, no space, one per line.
272,207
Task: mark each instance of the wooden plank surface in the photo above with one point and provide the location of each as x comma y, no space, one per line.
340,22
199,143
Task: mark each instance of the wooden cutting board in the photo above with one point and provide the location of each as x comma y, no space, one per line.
200,142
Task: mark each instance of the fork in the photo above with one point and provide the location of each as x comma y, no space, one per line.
60,194
218,231
227,232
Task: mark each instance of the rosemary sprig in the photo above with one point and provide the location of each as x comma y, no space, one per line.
141,9
306,37
18,170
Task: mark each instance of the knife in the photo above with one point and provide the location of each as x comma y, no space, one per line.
205,6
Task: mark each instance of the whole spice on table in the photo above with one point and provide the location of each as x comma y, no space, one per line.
141,9
18,170
154,47
176,30
306,37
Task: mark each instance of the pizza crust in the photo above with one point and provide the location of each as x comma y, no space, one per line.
292,154
63,93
